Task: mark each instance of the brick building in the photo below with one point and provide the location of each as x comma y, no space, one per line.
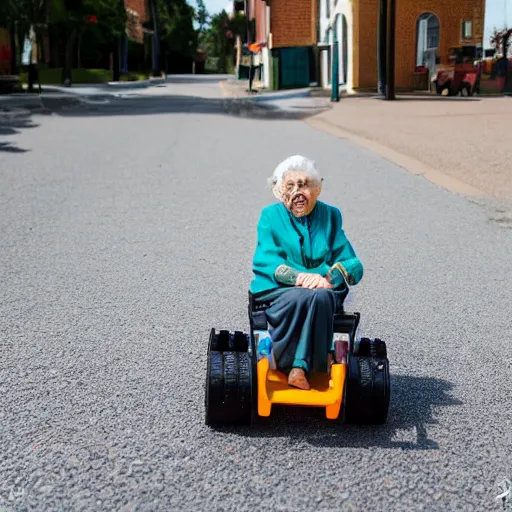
426,30
288,29
301,36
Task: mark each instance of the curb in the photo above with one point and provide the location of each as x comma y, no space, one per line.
141,84
235,92
271,96
102,88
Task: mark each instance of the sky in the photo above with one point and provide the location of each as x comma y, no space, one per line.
215,6
498,13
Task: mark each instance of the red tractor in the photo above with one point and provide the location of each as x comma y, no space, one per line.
461,77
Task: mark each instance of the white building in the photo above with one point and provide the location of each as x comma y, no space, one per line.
335,34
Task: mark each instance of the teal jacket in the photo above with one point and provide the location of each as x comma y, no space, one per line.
309,244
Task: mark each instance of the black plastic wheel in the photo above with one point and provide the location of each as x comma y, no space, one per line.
379,348
224,341
229,387
238,342
220,341
363,347
212,341
367,388
214,389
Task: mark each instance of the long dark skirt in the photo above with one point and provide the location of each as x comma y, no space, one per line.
301,326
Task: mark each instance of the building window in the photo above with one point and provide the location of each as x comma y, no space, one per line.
467,29
427,42
328,8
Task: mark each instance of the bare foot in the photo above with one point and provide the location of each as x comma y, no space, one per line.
297,379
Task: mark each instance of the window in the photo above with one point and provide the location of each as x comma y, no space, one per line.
433,36
328,8
427,37
467,29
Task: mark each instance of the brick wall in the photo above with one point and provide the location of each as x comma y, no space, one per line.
293,22
133,23
451,14
365,43
140,6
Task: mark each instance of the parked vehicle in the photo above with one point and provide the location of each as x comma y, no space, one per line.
461,77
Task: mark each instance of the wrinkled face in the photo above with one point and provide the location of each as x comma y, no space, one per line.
299,192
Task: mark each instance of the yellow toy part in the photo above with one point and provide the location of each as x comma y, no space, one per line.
326,390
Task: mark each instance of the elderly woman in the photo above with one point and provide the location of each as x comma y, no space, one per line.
300,263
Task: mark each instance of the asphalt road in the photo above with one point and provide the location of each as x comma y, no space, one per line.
127,230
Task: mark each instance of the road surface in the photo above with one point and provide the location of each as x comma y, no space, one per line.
127,229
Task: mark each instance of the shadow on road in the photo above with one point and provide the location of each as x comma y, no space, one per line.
131,103
436,98
7,147
11,123
417,97
414,401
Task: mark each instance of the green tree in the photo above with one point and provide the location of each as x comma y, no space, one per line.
220,39
202,16
176,33
75,16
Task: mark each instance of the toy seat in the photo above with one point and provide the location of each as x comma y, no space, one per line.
326,390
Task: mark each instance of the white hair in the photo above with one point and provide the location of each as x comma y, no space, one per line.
294,163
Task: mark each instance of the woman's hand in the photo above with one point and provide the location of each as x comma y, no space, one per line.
312,281
324,283
306,280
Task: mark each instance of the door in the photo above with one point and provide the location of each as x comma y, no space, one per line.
295,64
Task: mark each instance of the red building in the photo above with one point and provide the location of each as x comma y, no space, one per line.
288,29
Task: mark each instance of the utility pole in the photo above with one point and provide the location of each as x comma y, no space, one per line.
386,49
381,48
116,64
156,41
249,41
116,52
123,45
12,43
390,51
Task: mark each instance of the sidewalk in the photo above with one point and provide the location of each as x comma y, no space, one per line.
239,89
233,88
290,104
461,144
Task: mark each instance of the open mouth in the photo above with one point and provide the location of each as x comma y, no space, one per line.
299,201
